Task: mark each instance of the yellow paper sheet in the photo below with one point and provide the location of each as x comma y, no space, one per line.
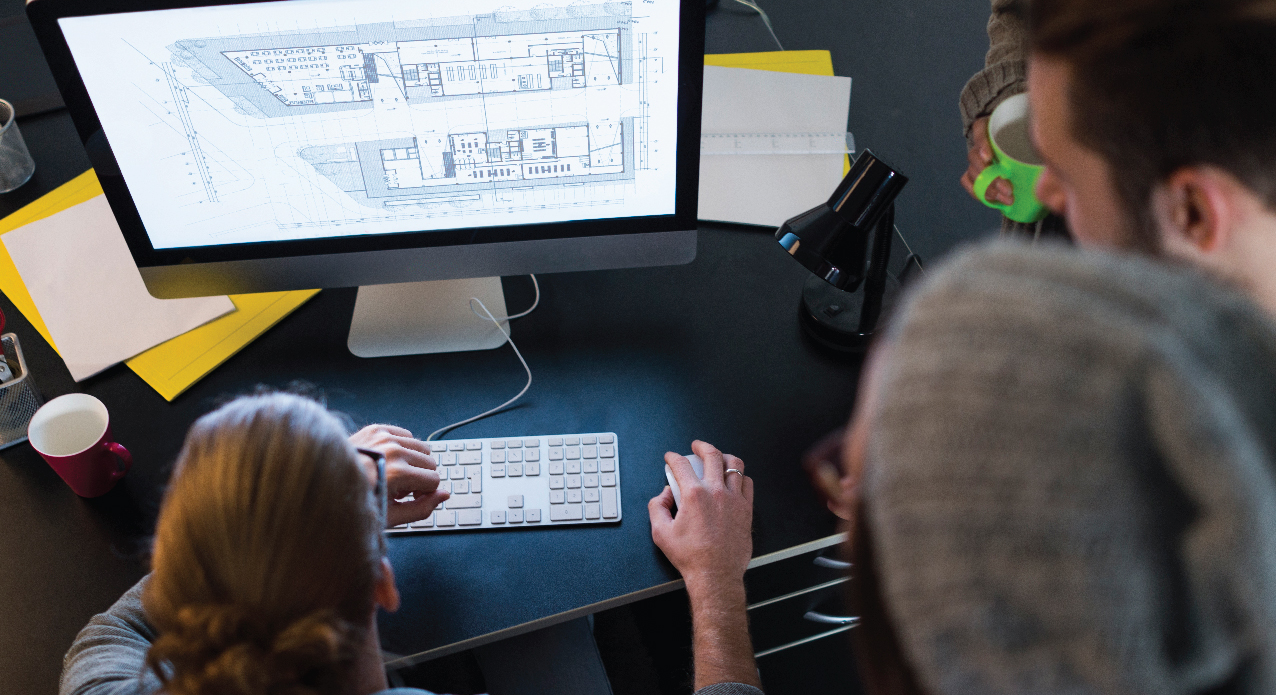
804,62
173,366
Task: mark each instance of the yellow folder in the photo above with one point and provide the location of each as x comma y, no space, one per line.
173,366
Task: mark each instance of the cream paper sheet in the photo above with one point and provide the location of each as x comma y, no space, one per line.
87,289
769,189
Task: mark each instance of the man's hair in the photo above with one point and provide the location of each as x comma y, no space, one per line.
1158,85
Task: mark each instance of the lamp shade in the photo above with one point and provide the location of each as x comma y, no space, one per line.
832,240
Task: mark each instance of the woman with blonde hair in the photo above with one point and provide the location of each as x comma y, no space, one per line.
269,562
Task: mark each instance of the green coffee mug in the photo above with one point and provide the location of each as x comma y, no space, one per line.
1014,159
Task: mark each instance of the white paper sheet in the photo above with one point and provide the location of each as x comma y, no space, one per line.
769,189
88,291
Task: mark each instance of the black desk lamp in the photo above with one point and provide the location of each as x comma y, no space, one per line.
846,242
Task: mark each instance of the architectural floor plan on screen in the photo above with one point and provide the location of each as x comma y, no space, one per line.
502,113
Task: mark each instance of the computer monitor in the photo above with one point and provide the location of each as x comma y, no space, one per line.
295,144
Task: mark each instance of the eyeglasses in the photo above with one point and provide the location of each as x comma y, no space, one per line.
379,490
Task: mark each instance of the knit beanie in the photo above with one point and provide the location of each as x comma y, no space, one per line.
1070,484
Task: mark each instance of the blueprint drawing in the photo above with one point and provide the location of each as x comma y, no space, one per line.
500,117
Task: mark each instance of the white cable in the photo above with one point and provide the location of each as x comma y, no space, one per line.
530,309
497,323
753,5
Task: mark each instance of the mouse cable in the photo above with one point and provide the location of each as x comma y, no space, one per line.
753,5
497,322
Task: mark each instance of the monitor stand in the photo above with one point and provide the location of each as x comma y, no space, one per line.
416,318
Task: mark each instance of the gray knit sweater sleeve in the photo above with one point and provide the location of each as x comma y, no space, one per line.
728,689
108,657
1004,72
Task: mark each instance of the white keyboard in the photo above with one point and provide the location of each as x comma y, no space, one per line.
558,480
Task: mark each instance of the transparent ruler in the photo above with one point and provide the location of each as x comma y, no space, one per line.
777,143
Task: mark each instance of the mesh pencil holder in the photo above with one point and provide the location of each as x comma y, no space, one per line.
18,398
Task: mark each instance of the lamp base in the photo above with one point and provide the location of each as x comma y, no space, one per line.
831,317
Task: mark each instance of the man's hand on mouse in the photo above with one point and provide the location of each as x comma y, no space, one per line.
710,541
409,470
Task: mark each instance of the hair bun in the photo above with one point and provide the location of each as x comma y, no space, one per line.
224,649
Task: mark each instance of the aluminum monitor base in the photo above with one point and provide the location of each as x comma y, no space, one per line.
418,318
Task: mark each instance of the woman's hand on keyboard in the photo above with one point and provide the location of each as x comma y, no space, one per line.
409,472
710,540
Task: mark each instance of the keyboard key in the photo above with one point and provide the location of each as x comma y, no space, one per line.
556,496
498,471
555,441
473,446
589,466
556,482
427,522
497,457
589,480
591,439
556,454
464,502
556,468
606,439
514,456
591,494
445,485
531,469
566,512
474,472
476,482
591,511
533,516
513,443
609,503
456,446
456,472
469,517
460,487
448,459
528,443
498,517
573,466
514,501
608,465
589,452
572,441
470,458
572,452
514,470
573,481
607,451
515,516
444,517
532,455
573,496
498,444
400,527
607,479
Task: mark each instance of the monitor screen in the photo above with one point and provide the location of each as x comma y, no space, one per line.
325,119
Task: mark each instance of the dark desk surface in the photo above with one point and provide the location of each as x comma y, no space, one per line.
659,355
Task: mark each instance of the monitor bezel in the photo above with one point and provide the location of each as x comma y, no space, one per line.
44,15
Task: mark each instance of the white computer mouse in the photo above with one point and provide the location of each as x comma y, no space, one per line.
696,465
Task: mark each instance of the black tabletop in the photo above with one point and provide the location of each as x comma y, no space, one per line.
658,355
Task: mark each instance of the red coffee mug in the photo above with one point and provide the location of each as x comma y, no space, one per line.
73,433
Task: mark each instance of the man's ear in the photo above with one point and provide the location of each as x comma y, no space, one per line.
385,592
1194,212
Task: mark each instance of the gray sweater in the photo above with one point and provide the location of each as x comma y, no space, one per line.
108,657
1071,485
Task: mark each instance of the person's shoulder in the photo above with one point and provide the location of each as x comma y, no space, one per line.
1053,288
